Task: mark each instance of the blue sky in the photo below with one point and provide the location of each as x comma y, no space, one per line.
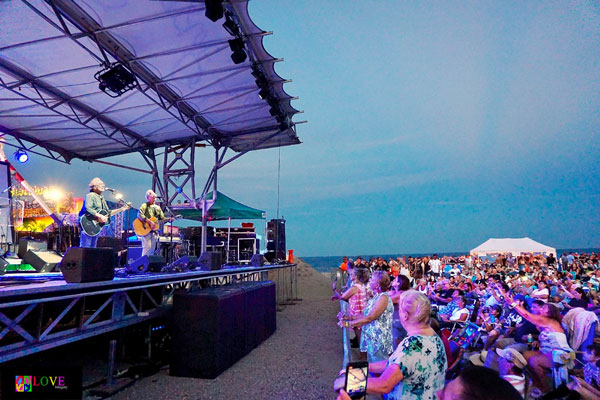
432,127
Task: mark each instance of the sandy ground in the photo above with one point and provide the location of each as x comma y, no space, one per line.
299,361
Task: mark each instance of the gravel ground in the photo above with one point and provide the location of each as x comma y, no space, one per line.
299,361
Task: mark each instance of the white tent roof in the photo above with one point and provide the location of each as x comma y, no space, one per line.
515,246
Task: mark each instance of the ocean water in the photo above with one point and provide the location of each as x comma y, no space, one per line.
327,263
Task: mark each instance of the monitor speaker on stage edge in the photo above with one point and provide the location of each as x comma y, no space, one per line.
85,264
42,261
150,263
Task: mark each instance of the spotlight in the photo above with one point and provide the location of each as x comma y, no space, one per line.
264,93
237,46
21,156
116,79
274,111
230,25
284,125
214,9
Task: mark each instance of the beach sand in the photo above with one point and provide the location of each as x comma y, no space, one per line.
299,361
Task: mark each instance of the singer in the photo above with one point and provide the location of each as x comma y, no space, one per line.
94,207
150,214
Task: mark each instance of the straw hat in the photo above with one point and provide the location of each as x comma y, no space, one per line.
479,358
513,356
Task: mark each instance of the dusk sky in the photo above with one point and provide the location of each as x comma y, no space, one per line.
432,126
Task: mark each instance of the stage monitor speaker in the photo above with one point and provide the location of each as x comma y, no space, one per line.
29,243
86,264
42,261
186,263
257,260
3,265
147,264
210,260
133,253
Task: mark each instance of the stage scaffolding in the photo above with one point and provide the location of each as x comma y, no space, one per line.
41,316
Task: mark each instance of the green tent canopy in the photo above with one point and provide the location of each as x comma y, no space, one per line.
223,208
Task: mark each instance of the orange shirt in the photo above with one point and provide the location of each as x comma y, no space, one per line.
344,266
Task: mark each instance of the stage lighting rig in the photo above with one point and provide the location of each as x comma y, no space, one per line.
230,25
21,156
214,9
115,80
237,46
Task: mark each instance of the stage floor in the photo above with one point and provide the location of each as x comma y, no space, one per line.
14,286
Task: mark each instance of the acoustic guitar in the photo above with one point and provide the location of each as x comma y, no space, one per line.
92,226
142,228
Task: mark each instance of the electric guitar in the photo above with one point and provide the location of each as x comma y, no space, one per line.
142,228
93,226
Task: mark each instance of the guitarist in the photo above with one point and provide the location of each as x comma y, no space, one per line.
150,210
92,205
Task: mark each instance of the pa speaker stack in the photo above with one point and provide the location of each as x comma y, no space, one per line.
215,327
85,264
275,240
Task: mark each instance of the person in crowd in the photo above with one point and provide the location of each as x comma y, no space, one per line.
356,296
376,336
591,369
460,314
542,292
554,352
435,266
399,286
510,366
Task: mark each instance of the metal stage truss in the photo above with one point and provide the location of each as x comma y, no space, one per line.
193,82
39,316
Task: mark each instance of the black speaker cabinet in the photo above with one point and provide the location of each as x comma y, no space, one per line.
42,261
3,265
29,243
146,264
85,264
257,260
210,260
208,331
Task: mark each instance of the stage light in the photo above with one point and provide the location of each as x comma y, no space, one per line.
55,194
118,196
21,156
230,25
274,111
264,93
116,79
214,9
237,46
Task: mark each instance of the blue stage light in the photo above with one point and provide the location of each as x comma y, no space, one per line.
21,156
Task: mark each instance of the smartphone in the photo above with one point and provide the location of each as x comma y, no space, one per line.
356,379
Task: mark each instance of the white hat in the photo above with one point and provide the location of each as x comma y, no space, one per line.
479,358
513,356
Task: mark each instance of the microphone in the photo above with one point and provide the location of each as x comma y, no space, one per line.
111,190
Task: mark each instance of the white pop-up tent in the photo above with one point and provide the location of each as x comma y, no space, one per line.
516,246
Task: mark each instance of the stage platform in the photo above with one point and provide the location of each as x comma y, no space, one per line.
39,311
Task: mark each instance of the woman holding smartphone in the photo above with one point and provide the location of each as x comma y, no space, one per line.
417,368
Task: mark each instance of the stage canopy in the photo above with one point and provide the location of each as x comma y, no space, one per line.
188,88
224,208
514,246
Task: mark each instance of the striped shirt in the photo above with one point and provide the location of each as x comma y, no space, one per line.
358,302
518,383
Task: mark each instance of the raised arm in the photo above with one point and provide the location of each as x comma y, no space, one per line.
373,315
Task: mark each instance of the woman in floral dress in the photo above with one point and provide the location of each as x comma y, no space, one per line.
376,336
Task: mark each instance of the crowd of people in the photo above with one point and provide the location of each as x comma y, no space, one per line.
420,322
